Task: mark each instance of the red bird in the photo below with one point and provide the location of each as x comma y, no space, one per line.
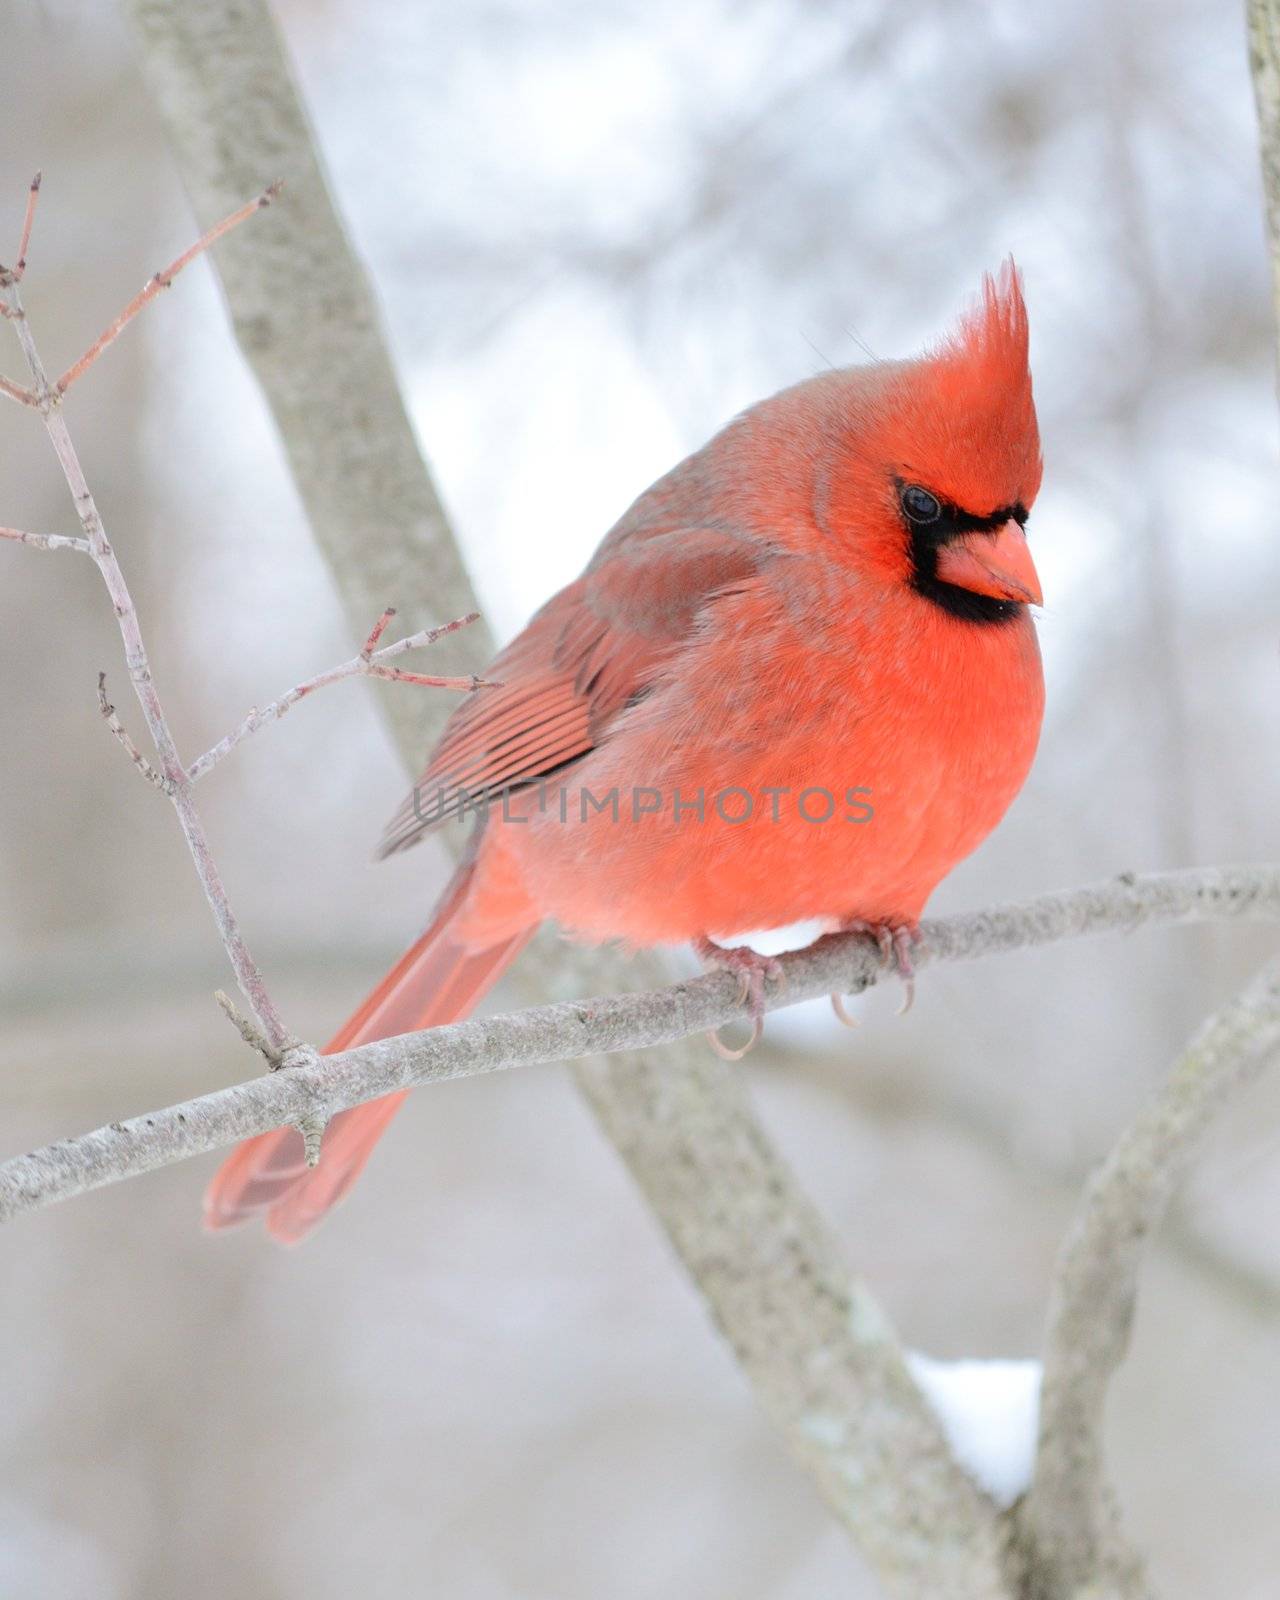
798,680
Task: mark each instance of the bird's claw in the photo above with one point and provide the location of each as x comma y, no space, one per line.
896,942
753,970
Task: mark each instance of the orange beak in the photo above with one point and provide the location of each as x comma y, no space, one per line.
998,564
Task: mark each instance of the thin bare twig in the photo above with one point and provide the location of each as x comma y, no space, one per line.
171,778
13,274
570,1030
312,1131
156,779
312,1125
1068,1513
369,663
46,541
459,685
248,1030
415,640
161,280
376,632
28,221
15,391
171,770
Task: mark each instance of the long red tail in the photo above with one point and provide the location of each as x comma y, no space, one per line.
438,980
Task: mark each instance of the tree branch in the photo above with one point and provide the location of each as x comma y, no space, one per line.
570,1030
309,327
46,541
24,397
11,275
158,281
1068,1513
157,780
171,775
371,663
1264,65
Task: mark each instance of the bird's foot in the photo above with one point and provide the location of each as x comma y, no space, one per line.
896,942
753,971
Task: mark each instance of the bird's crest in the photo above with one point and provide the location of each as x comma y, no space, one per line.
989,347
970,412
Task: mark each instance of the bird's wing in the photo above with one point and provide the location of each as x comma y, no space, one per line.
591,651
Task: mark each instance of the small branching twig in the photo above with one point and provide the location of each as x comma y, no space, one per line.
156,779
13,274
312,1131
28,220
170,770
265,1032
24,397
248,1030
311,1126
46,541
370,663
423,680
380,627
153,286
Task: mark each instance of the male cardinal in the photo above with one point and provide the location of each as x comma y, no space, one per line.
820,615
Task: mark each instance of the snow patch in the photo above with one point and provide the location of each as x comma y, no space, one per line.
989,1411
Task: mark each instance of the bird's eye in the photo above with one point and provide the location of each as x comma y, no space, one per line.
920,505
